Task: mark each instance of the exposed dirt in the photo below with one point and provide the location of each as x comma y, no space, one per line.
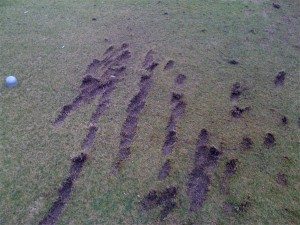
236,91
284,120
165,170
134,109
247,143
269,140
199,181
233,62
180,79
94,84
165,199
276,6
169,65
282,179
90,137
231,167
64,193
237,112
279,80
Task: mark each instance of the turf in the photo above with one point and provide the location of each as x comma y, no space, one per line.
215,44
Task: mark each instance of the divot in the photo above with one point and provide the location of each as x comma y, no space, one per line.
269,140
279,80
169,65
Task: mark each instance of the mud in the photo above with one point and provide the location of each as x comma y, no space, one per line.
247,143
279,80
90,138
236,91
199,181
64,193
269,140
237,112
276,6
231,167
164,199
284,120
282,179
169,65
180,79
165,170
134,109
233,62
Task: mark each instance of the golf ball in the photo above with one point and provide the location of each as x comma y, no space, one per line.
11,82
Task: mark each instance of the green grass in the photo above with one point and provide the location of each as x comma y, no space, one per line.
200,36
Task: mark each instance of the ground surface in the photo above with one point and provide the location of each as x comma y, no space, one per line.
230,53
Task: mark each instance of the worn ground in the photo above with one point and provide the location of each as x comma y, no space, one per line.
142,145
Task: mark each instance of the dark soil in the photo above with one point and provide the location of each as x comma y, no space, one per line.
231,167
134,109
279,80
236,91
176,97
166,199
97,114
282,179
276,6
90,137
169,142
180,79
237,111
169,65
165,170
233,62
284,120
199,181
269,140
247,143
64,193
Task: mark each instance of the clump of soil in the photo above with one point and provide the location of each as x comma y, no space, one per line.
247,143
279,80
231,167
276,6
282,179
233,62
237,111
65,191
284,120
165,199
165,170
169,65
236,91
269,140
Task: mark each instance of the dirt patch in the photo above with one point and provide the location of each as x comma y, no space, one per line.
284,120
233,62
134,109
165,199
169,65
99,111
165,170
92,84
237,112
247,143
231,167
236,91
180,79
276,6
90,138
279,80
199,181
64,193
269,140
282,179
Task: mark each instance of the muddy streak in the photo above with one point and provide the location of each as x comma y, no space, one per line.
199,181
90,137
99,111
169,65
165,170
279,80
64,193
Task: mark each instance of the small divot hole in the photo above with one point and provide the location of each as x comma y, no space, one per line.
269,140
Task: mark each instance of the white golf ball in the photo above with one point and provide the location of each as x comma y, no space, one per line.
11,82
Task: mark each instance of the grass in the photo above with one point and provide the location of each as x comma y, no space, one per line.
200,36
